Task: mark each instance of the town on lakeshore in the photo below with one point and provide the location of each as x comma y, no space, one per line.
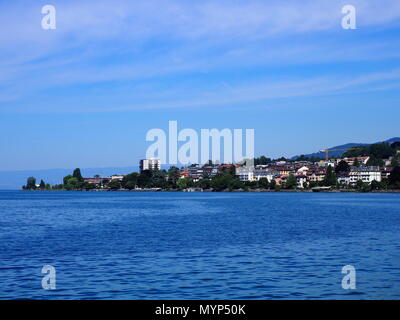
368,168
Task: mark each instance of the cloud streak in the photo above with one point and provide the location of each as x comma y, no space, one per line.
161,44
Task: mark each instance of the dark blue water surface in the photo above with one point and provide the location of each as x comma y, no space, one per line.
126,245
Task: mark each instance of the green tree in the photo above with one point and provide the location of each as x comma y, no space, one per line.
385,184
359,185
356,163
182,183
375,185
77,174
252,184
237,184
302,158
158,179
42,185
130,185
72,183
31,183
394,178
342,166
395,145
263,183
66,179
313,184
394,162
114,185
366,187
330,177
305,158
374,161
204,184
144,179
130,181
262,160
173,176
356,151
272,184
291,182
222,181
379,150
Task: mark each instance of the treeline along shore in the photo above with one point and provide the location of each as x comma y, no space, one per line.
373,168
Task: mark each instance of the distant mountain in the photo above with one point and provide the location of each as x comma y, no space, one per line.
343,146
396,139
14,180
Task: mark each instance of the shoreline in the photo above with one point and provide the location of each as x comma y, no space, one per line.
232,191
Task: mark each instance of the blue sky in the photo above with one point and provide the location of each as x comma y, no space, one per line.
85,94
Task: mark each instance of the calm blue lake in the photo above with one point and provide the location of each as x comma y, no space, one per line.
126,245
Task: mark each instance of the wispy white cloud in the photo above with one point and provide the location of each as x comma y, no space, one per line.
218,94
131,41
266,90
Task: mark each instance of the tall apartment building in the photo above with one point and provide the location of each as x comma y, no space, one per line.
150,164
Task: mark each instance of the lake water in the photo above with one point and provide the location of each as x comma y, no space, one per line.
126,245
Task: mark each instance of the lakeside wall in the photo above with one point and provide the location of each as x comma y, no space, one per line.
240,191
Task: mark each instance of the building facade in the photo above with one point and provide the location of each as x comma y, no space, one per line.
150,164
245,173
365,174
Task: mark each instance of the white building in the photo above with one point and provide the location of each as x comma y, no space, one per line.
303,170
365,174
350,161
150,164
343,179
117,177
316,176
262,172
255,174
323,163
388,162
245,173
301,180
